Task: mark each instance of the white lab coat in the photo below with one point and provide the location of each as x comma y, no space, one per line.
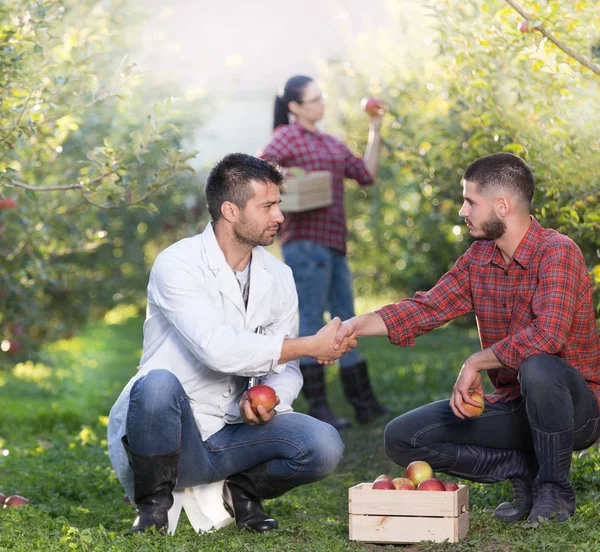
198,328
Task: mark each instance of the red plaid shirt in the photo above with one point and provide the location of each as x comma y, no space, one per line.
294,146
541,302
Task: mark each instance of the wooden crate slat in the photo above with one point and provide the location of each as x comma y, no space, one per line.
362,499
405,529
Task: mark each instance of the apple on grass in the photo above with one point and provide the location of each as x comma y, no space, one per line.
418,471
475,411
403,484
262,395
15,501
2,498
431,484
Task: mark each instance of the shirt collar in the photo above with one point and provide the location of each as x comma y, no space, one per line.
216,257
525,250
301,129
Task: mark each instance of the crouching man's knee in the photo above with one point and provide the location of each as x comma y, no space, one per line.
397,438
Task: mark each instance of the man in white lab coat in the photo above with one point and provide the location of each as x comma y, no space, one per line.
221,313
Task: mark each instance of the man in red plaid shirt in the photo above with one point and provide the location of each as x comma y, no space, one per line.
531,293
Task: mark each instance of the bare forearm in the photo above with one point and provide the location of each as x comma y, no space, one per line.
369,324
371,157
297,347
484,360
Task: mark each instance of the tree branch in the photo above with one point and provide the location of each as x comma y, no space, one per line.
78,186
558,43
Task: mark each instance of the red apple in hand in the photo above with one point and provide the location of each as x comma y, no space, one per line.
403,484
418,471
474,411
262,395
431,484
450,486
372,106
15,501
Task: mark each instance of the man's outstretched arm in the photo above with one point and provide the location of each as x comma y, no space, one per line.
359,326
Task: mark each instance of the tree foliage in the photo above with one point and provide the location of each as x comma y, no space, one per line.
490,88
87,144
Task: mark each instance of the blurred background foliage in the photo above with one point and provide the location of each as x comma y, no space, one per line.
491,88
77,115
75,112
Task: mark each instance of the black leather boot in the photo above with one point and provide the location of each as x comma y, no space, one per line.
489,465
242,493
358,391
316,394
554,496
155,478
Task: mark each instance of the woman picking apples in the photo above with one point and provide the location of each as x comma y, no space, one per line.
314,242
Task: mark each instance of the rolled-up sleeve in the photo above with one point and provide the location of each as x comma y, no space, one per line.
448,299
355,168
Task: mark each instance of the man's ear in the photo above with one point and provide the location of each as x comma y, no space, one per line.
230,211
503,206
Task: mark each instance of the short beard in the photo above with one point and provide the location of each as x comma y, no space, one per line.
492,229
253,241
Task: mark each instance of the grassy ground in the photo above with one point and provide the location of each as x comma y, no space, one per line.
53,425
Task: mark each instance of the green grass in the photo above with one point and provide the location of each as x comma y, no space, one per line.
53,424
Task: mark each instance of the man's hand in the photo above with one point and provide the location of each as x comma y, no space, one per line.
261,417
324,349
346,330
469,379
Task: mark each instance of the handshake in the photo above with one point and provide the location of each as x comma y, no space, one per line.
333,341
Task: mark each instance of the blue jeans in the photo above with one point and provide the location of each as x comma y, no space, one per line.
296,448
324,283
555,398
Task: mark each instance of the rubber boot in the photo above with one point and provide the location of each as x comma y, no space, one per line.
155,478
358,391
554,496
489,465
242,493
316,394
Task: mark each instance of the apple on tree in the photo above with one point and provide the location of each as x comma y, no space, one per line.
524,26
7,203
418,471
262,395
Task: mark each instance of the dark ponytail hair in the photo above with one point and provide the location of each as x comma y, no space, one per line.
292,92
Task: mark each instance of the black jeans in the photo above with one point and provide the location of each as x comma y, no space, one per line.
555,398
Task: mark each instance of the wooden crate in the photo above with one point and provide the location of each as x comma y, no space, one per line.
381,516
306,192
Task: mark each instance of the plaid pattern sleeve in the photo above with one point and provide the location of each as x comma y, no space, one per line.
448,299
539,303
356,169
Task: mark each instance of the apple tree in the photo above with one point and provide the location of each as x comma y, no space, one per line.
94,173
489,87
